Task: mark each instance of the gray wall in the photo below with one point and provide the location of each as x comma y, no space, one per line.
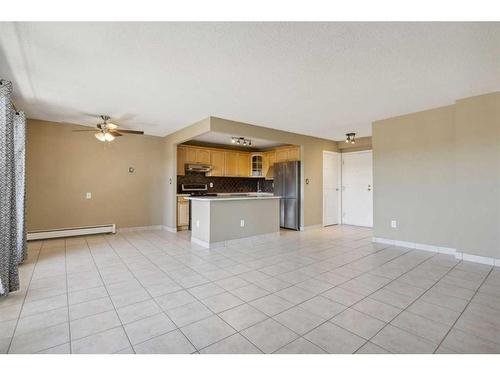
220,219
437,173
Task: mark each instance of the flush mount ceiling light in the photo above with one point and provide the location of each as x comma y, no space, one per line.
350,138
241,141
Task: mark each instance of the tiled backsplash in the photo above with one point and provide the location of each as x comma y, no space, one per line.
225,184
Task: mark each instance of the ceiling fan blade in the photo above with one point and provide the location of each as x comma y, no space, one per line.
111,126
115,133
90,130
99,126
132,131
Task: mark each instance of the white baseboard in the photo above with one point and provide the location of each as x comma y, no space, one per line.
71,232
259,238
310,227
136,229
440,249
170,229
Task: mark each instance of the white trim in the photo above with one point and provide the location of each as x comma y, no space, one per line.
70,232
479,259
200,242
135,229
259,238
441,250
339,197
310,227
170,229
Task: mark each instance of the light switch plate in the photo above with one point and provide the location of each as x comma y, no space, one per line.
242,223
211,184
88,195
197,223
394,224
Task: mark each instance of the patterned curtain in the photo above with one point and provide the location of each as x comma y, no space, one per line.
13,248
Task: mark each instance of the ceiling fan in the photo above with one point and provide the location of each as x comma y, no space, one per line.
107,131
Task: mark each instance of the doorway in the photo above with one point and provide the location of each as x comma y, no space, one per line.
331,188
357,188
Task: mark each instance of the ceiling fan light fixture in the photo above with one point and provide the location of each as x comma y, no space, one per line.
109,137
100,136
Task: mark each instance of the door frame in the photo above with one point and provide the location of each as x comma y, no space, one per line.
339,197
342,180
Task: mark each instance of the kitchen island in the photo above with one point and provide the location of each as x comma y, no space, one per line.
217,220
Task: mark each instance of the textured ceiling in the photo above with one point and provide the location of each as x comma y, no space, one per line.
321,79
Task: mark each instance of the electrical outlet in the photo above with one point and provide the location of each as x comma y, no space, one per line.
211,184
88,195
394,224
197,223
242,223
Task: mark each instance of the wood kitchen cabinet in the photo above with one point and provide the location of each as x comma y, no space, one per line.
180,161
202,156
217,160
231,163
182,212
243,164
189,155
291,153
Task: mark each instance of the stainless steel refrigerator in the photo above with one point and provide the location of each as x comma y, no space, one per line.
287,186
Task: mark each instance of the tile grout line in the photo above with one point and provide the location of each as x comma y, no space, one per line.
135,277
67,293
403,310
24,299
465,308
109,295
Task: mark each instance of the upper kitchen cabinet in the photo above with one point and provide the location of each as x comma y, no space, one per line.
268,159
288,153
217,160
243,164
256,164
180,160
202,156
231,163
189,154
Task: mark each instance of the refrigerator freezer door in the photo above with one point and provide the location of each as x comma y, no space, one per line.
291,180
291,214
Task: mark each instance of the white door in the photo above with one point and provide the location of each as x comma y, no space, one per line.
331,188
357,188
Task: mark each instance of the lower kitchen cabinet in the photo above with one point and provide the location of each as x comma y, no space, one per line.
182,213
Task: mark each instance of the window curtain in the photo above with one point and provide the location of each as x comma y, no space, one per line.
13,247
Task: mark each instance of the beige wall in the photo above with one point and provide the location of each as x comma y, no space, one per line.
311,156
437,173
477,139
63,165
169,159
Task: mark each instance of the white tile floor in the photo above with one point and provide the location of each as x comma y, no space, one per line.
323,291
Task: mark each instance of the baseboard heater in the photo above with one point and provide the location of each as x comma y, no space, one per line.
70,232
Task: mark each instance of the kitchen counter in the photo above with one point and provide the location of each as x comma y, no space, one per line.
232,197
215,220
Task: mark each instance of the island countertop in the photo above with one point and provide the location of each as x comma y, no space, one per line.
232,197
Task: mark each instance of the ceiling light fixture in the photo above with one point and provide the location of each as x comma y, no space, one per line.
241,141
350,138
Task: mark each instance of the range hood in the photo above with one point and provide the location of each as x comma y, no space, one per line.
202,168
270,173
